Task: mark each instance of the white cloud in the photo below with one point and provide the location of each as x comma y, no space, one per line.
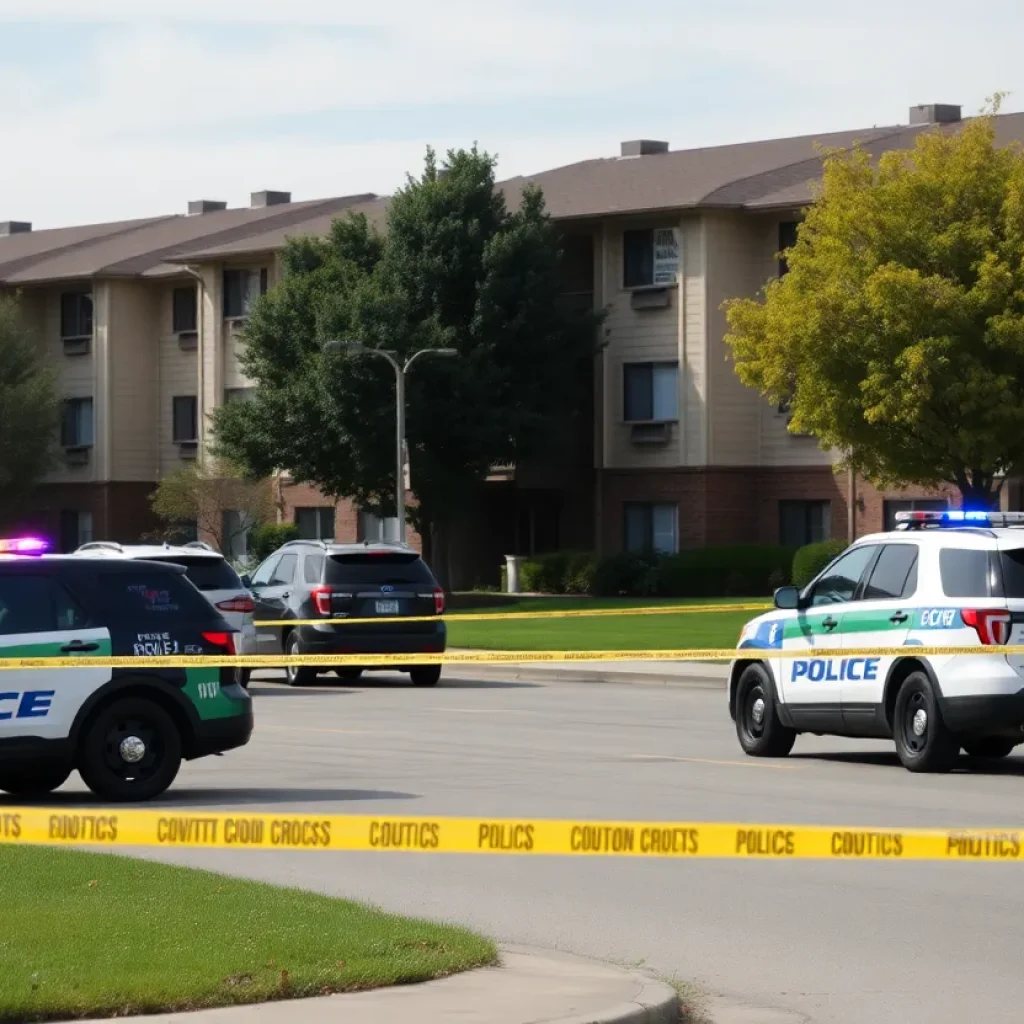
121,141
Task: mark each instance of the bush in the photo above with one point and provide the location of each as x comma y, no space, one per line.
579,574
744,570
560,572
812,558
266,539
626,573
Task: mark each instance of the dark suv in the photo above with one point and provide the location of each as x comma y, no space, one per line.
311,579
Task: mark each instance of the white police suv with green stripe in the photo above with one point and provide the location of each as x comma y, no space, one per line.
941,579
126,730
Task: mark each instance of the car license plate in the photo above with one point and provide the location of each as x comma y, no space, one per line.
387,607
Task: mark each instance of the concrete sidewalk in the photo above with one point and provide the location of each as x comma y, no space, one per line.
679,673
530,987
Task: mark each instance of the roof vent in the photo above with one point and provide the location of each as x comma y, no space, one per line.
935,113
265,198
643,147
201,206
15,227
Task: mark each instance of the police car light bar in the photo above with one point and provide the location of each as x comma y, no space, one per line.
23,546
957,517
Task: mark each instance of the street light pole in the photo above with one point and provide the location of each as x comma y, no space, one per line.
358,348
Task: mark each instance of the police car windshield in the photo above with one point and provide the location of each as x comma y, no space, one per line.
205,573
377,569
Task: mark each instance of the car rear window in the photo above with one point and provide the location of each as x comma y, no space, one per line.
154,595
206,573
967,572
376,569
1012,564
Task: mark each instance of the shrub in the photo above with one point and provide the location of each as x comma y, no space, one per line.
266,539
559,572
579,574
623,573
744,570
812,558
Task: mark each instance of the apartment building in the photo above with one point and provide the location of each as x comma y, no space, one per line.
145,320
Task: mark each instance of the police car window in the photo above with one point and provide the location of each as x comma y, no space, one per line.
313,568
965,572
205,572
154,595
894,575
285,571
37,604
1013,572
261,577
840,580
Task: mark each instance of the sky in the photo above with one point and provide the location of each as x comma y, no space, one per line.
114,109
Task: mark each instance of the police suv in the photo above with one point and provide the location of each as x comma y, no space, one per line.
126,730
941,579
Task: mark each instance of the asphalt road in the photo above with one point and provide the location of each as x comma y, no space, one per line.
836,942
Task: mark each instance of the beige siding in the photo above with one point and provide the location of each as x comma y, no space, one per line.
132,410
781,448
653,335
179,374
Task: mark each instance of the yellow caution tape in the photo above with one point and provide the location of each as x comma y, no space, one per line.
489,657
427,834
577,613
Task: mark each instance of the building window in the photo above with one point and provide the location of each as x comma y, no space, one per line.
186,425
377,529
787,239
652,526
315,523
890,508
185,316
650,259
238,395
235,529
241,290
75,529
76,315
650,392
76,429
804,522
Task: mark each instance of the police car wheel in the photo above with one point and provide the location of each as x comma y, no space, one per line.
32,781
760,732
130,751
425,675
297,675
989,746
349,673
242,676
923,740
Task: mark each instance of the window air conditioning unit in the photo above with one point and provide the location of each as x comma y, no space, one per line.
77,456
187,449
188,341
79,345
650,433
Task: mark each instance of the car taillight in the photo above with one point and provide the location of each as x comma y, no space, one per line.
225,640
242,603
438,601
991,624
322,599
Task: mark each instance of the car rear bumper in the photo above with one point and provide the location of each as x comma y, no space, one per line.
999,714
215,735
388,638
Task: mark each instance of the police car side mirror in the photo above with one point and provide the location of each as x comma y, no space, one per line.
787,598
246,580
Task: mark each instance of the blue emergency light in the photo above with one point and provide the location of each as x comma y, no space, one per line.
957,517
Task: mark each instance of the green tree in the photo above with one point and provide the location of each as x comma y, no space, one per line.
456,269
203,493
29,406
897,336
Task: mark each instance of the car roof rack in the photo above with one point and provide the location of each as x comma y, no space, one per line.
106,545
958,519
201,545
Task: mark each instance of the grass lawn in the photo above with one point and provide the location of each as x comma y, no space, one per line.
86,934
605,632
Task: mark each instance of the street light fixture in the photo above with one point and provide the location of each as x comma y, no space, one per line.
358,348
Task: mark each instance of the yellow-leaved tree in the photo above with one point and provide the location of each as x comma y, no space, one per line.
897,336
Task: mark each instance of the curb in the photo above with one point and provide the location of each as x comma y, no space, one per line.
695,676
655,1003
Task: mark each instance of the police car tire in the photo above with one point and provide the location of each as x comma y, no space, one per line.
989,746
425,675
937,749
243,676
349,673
32,782
304,675
770,738
93,764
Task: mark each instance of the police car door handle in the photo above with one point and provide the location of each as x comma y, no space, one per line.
78,647
898,617
830,623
